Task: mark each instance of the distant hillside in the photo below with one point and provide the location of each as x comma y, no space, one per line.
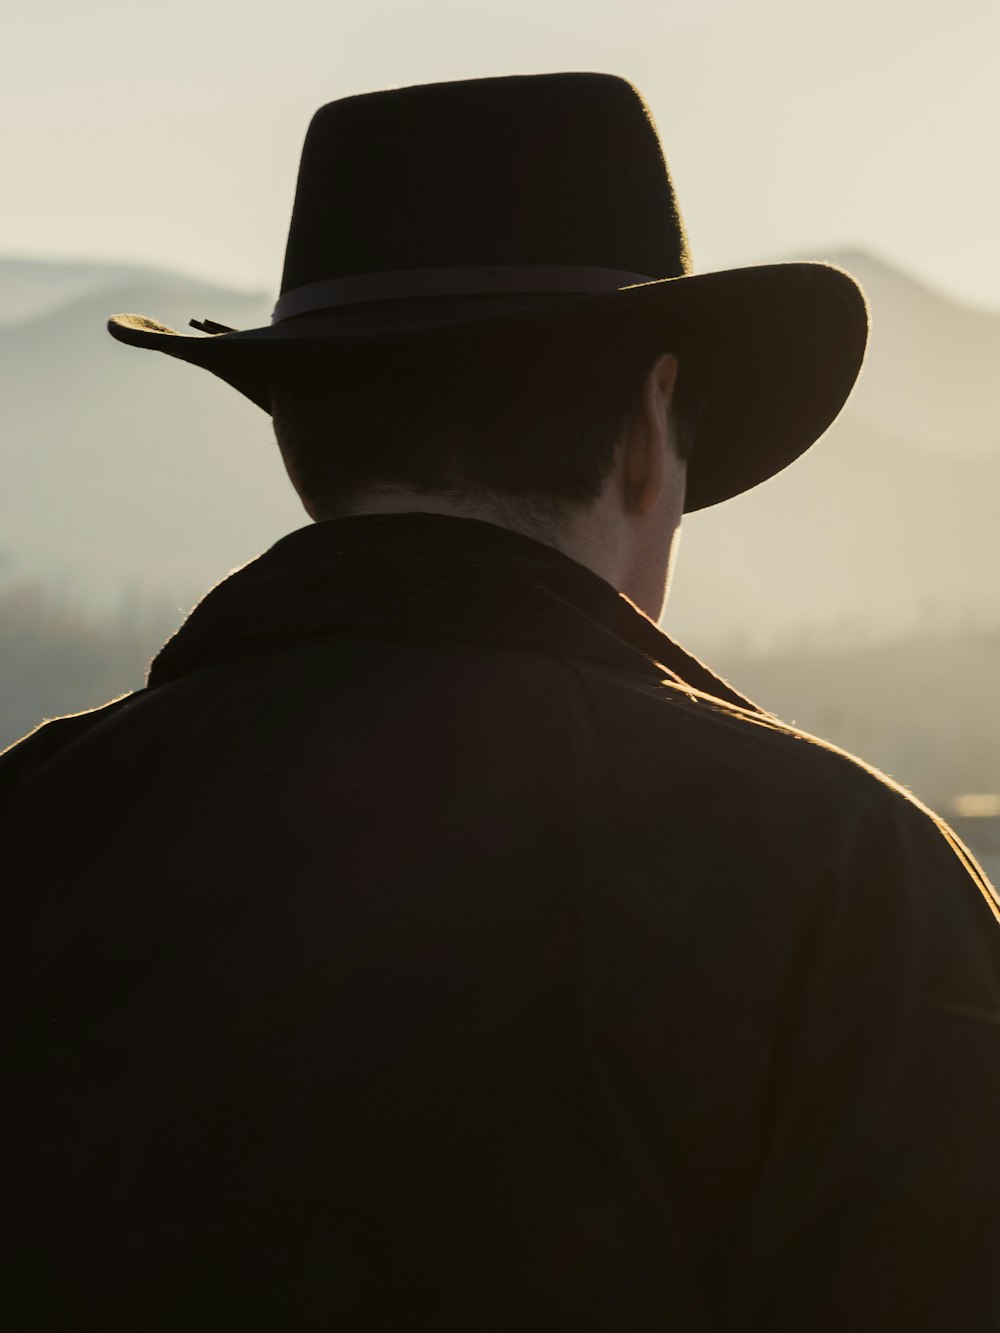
931,374
125,471
864,537
921,709
33,287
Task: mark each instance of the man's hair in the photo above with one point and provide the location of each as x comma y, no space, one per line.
526,422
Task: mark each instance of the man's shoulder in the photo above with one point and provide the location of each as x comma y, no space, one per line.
28,756
676,733
732,785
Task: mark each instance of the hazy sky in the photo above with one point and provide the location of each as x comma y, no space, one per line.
170,132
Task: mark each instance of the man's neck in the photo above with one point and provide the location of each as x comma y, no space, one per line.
591,535
401,500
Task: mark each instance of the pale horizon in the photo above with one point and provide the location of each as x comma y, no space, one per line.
171,138
840,255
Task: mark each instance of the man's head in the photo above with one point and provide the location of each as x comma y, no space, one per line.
433,212
576,440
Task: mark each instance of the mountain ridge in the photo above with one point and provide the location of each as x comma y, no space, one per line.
113,451
31,285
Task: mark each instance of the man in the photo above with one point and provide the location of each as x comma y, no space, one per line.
433,943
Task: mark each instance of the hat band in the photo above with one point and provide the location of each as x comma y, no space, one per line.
505,280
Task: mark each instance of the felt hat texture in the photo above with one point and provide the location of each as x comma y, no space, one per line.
427,212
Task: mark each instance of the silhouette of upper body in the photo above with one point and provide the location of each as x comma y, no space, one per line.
433,943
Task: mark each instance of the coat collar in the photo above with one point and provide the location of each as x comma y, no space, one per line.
427,576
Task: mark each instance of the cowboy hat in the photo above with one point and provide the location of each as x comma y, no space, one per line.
426,212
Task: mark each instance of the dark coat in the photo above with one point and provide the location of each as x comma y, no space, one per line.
433,944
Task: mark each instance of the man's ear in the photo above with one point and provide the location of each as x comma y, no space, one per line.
647,437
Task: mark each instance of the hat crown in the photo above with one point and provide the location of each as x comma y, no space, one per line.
538,201
550,169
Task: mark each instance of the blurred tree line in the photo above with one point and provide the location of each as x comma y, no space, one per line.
57,659
921,709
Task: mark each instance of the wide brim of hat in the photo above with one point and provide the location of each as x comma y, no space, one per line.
777,349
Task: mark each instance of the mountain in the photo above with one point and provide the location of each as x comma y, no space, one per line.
889,524
930,377
127,473
33,287
864,537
